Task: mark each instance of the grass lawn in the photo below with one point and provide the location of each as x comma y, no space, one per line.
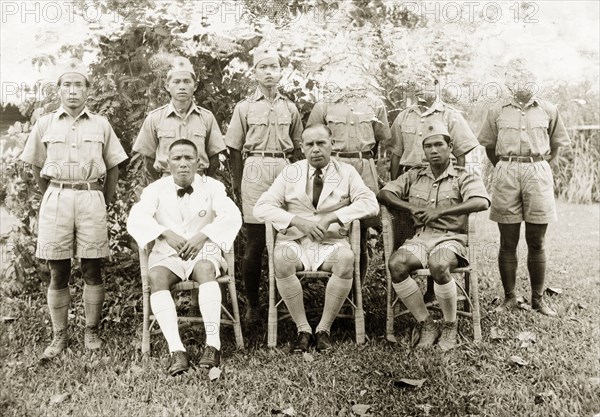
561,376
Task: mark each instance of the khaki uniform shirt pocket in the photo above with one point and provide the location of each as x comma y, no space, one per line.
55,147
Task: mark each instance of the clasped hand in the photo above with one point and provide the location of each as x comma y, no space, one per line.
427,215
314,230
186,249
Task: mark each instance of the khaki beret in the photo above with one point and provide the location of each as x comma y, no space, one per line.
181,64
75,66
263,52
433,129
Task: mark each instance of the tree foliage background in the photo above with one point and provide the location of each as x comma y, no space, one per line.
325,45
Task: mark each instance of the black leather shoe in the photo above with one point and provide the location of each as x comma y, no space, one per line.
303,342
210,358
178,363
322,341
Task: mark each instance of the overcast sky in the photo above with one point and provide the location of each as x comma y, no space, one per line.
552,41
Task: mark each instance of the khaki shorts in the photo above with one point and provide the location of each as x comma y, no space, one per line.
183,269
258,175
425,244
72,216
523,191
311,254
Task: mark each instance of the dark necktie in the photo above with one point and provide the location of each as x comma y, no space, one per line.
186,190
317,186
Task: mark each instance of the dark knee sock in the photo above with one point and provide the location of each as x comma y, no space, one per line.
536,265
252,262
507,265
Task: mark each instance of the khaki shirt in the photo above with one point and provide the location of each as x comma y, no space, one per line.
409,127
260,125
535,129
421,189
73,149
356,122
164,126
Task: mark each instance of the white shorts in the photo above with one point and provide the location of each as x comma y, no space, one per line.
311,254
183,269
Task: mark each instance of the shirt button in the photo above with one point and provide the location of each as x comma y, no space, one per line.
422,120
435,185
272,109
73,145
432,200
523,127
272,123
184,123
420,133
351,108
522,113
73,128
351,123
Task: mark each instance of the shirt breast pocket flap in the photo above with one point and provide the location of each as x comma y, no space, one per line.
540,122
258,120
366,117
92,144
166,134
53,138
505,123
284,119
418,197
335,118
408,129
198,134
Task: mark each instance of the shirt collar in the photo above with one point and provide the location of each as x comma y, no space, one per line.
438,105
450,171
258,95
171,109
510,101
61,111
312,169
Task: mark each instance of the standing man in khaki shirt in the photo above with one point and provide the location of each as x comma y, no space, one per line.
264,133
521,134
358,122
180,119
70,150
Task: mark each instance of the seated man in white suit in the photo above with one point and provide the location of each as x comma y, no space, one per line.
191,220
310,203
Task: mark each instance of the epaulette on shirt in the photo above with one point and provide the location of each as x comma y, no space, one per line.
158,108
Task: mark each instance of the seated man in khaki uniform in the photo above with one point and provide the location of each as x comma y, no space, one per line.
438,197
309,203
70,150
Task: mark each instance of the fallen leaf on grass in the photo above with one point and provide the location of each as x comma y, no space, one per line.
519,360
8,319
214,373
136,370
12,364
495,334
553,290
425,408
409,383
527,336
308,357
544,397
287,412
59,398
363,392
595,380
360,409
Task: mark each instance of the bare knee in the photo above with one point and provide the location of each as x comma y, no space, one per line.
158,281
60,272
91,269
439,269
204,271
285,259
344,263
399,268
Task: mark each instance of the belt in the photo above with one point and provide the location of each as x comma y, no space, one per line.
365,155
522,158
77,185
422,228
277,154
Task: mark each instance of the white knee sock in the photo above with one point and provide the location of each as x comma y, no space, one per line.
293,297
335,294
209,301
410,294
446,296
165,313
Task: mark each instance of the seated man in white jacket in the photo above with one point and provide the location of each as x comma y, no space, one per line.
310,203
191,220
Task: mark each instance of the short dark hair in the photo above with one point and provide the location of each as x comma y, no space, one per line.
316,127
184,142
446,138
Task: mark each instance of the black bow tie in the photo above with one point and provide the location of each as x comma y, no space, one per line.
182,191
